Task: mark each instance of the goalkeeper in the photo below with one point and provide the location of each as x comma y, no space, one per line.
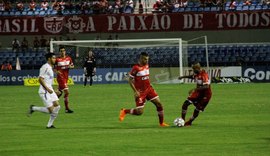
89,67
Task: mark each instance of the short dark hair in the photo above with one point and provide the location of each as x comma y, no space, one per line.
49,55
196,64
61,47
144,54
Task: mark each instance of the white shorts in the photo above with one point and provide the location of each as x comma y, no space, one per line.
48,98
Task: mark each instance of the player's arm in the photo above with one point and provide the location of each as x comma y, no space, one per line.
71,65
56,71
188,76
41,81
95,66
130,81
84,68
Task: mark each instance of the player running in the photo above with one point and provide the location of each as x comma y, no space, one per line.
62,66
46,91
200,96
140,84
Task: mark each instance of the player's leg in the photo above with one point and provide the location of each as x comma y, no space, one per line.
160,111
66,101
132,111
91,80
193,117
200,105
192,98
185,108
44,97
54,113
91,77
85,80
62,85
40,109
140,101
153,97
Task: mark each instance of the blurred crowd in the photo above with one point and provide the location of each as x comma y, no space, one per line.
96,6
116,6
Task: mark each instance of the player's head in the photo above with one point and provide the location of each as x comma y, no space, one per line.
50,57
62,50
90,53
196,67
144,57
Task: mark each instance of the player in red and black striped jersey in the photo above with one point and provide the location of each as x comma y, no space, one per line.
200,96
140,84
62,66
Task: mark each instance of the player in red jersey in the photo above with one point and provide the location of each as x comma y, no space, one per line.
140,84
63,64
200,96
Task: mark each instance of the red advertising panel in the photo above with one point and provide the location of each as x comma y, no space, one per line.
35,25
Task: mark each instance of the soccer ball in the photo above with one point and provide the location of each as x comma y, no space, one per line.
179,122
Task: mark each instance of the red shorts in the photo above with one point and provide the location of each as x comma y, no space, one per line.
200,99
62,84
149,94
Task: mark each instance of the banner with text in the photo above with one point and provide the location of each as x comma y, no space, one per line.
160,75
35,25
257,74
103,76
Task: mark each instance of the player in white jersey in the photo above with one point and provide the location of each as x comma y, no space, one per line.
46,92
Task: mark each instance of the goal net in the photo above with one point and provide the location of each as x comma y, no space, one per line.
168,57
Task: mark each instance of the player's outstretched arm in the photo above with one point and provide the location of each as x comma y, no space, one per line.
71,66
182,77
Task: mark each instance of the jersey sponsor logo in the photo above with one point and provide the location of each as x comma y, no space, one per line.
200,82
63,63
145,78
143,72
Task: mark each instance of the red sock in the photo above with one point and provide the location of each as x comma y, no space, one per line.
132,111
127,111
160,114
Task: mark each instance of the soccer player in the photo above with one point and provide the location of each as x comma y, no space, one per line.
62,66
89,67
200,96
140,83
46,91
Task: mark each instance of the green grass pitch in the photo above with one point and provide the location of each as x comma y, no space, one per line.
235,123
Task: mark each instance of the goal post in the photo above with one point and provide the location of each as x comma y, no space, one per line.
203,43
168,57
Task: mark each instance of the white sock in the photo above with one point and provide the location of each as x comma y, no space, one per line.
40,109
53,116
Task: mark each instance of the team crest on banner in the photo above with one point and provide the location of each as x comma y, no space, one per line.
53,24
75,24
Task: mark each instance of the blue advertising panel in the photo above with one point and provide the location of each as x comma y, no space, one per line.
103,76
257,74
16,77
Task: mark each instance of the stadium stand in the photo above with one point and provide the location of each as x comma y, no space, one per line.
219,55
84,7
